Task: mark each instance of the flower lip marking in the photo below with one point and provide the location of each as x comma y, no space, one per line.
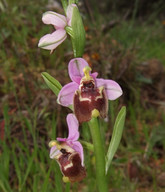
87,99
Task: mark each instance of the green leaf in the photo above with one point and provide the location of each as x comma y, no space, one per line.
116,136
52,83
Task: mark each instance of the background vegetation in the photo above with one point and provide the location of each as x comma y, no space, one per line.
125,42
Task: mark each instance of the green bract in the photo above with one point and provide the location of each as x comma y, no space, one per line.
52,83
78,33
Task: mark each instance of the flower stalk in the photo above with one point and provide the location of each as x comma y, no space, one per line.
99,154
64,4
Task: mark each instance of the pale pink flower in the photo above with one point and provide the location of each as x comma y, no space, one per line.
60,22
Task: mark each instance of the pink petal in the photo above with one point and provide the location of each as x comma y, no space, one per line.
69,13
58,20
54,152
61,139
51,41
73,126
75,68
112,88
78,147
94,75
73,133
65,96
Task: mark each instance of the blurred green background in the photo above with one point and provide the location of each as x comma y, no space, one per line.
125,41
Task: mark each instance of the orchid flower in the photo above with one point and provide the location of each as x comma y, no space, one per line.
86,92
69,152
60,22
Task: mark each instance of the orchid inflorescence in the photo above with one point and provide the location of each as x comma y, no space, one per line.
86,95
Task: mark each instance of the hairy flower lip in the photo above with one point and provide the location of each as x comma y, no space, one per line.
88,99
71,167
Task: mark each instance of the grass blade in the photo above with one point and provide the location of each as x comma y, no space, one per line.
3,187
31,161
58,178
17,167
116,136
46,181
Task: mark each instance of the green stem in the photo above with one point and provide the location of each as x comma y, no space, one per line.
65,5
99,155
67,187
